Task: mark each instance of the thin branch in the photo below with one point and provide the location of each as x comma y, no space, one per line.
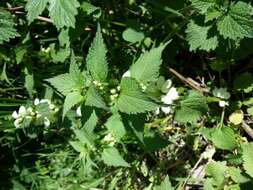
247,129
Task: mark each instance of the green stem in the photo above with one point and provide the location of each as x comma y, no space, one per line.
222,117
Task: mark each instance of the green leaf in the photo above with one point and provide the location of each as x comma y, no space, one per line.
83,137
247,156
132,100
7,30
237,24
132,35
89,8
203,5
224,138
165,185
216,170
34,8
63,12
115,126
112,157
96,58
244,82
191,108
71,100
198,37
208,184
29,78
237,176
91,123
212,14
147,67
94,99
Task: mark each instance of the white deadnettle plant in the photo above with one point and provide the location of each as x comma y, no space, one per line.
42,112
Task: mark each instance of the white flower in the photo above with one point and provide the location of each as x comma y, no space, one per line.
166,110
170,96
43,101
223,103
113,91
22,111
15,115
46,122
51,106
78,111
126,74
17,122
166,86
36,101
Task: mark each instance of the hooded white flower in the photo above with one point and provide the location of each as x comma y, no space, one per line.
171,95
36,101
126,74
22,111
166,110
46,122
78,111
223,103
15,115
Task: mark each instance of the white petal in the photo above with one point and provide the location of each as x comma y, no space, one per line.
166,99
78,111
44,101
15,115
166,110
36,101
157,111
223,103
46,122
22,110
17,122
166,86
126,74
173,94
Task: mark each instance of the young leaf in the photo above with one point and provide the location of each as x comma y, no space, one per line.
237,24
116,127
198,37
146,68
94,99
203,5
244,82
224,138
96,58
191,108
132,100
7,30
216,170
71,100
247,155
112,157
34,8
63,12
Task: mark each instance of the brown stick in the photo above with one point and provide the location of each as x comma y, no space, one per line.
247,129
189,81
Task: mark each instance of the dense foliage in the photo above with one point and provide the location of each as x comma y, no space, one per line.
130,94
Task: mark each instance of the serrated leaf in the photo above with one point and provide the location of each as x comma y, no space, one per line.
247,156
212,14
63,12
88,8
147,67
71,100
91,123
224,138
116,127
198,37
84,137
237,24
132,100
216,170
96,58
112,157
191,108
94,99
203,5
34,8
7,30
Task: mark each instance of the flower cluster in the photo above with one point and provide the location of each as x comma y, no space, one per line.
170,94
42,112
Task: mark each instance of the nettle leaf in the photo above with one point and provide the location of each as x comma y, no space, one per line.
34,8
146,68
71,100
112,157
191,108
63,12
237,24
247,156
115,125
203,5
132,35
216,170
198,37
132,100
94,99
224,138
96,58
91,123
7,30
